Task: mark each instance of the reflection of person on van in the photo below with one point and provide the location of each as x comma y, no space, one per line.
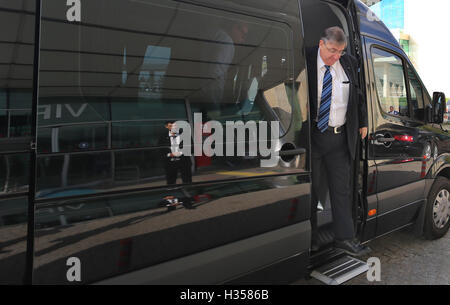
221,59
392,111
173,159
339,114
171,202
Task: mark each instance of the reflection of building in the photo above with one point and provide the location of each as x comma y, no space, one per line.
418,27
392,13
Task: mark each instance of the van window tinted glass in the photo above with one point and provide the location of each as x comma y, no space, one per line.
416,95
390,82
16,68
16,83
112,82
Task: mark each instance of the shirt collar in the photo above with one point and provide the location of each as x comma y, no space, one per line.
321,64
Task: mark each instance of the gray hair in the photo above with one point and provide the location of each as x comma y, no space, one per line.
334,34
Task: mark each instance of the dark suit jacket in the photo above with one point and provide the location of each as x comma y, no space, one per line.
356,116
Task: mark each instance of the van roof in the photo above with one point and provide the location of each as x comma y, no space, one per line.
370,25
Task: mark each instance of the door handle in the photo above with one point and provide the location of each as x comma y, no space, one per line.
292,152
385,140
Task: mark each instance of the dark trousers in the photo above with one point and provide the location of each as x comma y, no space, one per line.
178,165
331,164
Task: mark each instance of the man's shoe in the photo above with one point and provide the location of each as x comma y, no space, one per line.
351,247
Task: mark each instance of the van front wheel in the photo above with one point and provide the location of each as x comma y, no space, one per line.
437,219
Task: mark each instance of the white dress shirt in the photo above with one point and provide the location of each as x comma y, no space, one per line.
340,91
175,145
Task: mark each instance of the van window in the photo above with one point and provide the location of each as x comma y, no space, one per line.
15,112
278,99
390,82
16,83
416,95
122,79
248,64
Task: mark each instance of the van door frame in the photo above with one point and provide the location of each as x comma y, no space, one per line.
369,190
411,205
29,266
359,195
364,202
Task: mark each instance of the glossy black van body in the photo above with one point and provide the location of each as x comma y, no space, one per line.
100,90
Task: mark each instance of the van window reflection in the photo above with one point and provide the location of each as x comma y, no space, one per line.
221,92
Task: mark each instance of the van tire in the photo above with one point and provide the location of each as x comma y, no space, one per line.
440,186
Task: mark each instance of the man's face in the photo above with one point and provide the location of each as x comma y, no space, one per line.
239,32
391,108
171,126
331,51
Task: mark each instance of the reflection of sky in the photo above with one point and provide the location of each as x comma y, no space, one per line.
153,69
391,12
156,58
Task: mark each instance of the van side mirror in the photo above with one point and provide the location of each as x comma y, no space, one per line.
439,105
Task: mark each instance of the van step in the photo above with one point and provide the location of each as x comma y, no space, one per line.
340,270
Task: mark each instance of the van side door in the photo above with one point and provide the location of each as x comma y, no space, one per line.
114,188
397,141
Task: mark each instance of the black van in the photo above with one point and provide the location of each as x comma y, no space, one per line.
86,92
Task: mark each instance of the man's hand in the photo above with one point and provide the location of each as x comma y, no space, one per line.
363,132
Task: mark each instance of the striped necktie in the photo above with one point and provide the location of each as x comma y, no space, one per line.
325,101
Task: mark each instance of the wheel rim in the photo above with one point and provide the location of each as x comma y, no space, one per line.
441,209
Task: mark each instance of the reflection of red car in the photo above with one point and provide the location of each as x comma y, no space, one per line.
202,160
202,197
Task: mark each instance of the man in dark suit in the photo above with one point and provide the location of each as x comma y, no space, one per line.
173,159
338,118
